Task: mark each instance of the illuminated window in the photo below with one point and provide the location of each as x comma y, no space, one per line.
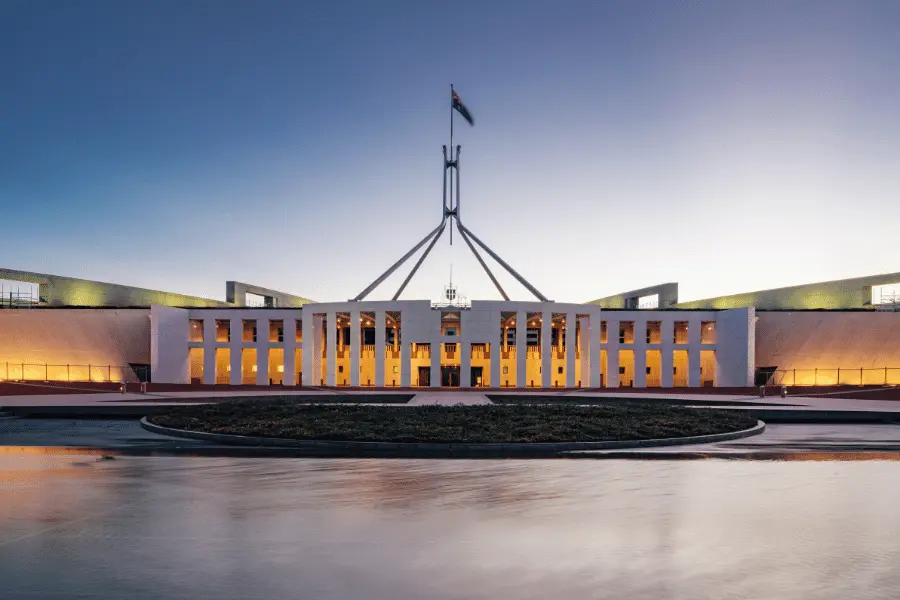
276,331
886,294
249,330
196,330
223,330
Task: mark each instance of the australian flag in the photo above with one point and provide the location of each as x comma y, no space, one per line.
461,108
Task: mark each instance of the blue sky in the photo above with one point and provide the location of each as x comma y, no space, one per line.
729,145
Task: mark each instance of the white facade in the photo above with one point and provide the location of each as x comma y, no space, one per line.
641,348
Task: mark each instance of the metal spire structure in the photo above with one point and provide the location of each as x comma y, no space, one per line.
450,212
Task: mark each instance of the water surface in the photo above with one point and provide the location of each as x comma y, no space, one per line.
181,527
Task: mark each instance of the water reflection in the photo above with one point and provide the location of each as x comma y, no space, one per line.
170,527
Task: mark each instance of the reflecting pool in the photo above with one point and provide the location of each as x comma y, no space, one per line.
74,525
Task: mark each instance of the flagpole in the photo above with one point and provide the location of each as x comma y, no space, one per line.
451,158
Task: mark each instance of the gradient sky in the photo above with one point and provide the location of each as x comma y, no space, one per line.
729,146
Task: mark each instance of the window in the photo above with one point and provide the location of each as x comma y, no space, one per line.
621,370
298,331
450,331
450,348
626,332
654,332
195,332
340,368
886,294
505,369
648,302
559,370
708,332
276,331
223,330
681,332
649,370
602,332
249,330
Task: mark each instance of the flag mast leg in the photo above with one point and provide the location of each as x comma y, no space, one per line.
420,261
468,232
403,259
483,264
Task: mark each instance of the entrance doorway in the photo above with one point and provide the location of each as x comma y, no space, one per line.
449,376
424,376
477,377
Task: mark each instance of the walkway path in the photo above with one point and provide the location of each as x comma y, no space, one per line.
791,404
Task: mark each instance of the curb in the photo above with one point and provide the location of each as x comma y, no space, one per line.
324,448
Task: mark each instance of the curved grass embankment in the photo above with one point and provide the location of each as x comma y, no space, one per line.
452,424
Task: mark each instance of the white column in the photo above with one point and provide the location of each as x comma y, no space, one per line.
318,337
288,378
465,356
584,350
236,327
496,348
594,378
262,352
310,347
380,348
355,347
405,366
640,365
546,349
694,352
612,354
571,325
435,337
331,349
209,351
521,348
667,331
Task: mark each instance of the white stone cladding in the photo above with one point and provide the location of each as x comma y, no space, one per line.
420,323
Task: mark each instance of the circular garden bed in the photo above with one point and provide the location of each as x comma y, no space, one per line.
511,424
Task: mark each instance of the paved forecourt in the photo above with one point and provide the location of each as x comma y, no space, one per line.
771,408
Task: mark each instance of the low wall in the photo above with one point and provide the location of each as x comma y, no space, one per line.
60,337
811,346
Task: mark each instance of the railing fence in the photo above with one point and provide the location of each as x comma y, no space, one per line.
836,376
45,372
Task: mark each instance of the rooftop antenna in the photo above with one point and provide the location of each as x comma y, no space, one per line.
450,212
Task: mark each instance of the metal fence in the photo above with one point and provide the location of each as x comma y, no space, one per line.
836,376
22,371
